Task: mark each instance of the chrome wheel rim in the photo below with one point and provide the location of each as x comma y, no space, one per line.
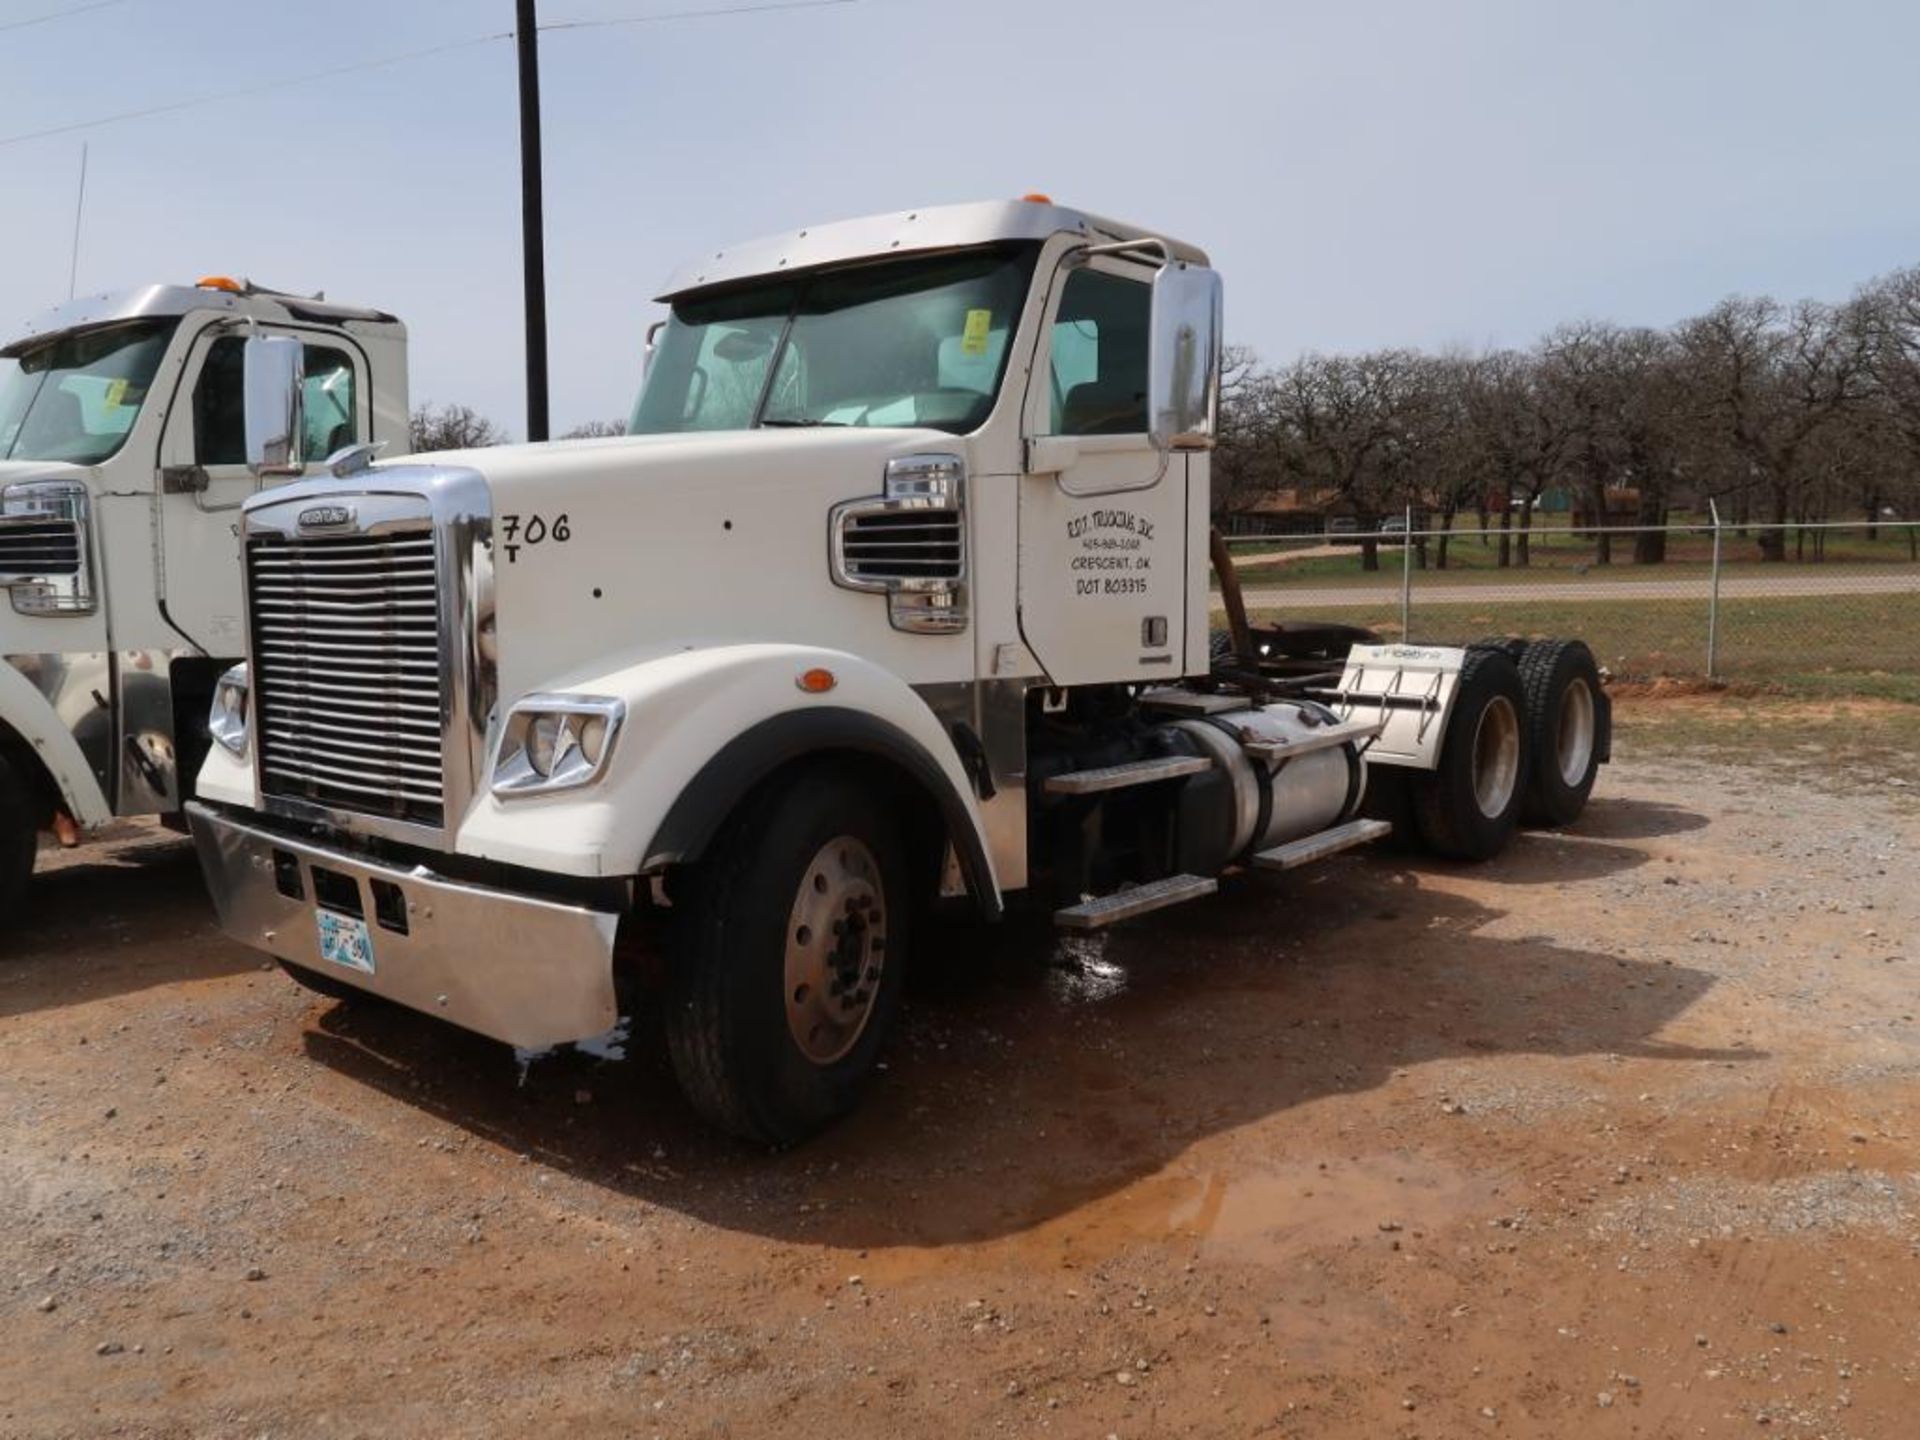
836,950
1496,757
1574,743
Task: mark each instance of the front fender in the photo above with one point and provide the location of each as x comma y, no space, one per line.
25,711
702,728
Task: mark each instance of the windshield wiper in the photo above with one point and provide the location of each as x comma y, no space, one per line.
801,424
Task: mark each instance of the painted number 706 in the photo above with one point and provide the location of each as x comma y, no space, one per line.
518,531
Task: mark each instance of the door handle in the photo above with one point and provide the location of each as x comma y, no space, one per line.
183,480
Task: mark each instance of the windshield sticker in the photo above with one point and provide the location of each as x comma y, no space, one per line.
116,394
973,340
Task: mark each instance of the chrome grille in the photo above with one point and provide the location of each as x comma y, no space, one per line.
347,674
32,548
906,544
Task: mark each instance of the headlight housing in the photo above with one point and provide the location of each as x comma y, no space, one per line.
227,720
556,742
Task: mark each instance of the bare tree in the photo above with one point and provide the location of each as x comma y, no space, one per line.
1613,387
1519,437
596,430
1784,414
452,427
1772,377
1886,316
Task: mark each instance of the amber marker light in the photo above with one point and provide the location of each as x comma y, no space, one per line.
1034,197
218,282
816,681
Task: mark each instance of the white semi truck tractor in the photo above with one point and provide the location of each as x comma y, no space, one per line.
895,597
123,467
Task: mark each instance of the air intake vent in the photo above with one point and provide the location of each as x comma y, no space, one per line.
35,549
909,544
44,547
904,545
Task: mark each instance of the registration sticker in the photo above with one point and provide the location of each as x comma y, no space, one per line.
973,340
345,941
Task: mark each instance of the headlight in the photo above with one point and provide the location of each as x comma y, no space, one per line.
556,742
228,718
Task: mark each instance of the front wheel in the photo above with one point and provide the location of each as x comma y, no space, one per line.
788,970
1468,808
19,841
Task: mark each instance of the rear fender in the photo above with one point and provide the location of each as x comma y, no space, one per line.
1409,687
702,729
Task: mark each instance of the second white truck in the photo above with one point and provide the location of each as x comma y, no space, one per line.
896,595
123,466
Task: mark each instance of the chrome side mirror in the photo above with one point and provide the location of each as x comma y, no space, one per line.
275,372
1183,357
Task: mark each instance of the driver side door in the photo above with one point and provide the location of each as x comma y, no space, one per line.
204,478
1102,570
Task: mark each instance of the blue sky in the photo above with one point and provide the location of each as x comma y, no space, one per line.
1364,174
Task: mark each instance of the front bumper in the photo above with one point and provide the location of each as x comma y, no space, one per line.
530,972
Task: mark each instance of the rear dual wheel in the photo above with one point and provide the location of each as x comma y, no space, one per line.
1468,807
1567,722
788,971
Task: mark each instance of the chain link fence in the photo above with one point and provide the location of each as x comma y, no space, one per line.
1830,608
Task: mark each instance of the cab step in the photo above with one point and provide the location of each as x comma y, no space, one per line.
1119,777
1296,853
1105,910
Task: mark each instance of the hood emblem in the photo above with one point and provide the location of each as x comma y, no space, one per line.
322,517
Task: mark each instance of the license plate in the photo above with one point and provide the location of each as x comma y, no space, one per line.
345,941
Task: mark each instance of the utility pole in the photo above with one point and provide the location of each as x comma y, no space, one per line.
532,226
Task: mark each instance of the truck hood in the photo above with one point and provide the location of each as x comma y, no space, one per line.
522,471
605,551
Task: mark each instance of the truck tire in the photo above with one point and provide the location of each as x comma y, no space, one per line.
788,971
1468,808
1565,721
1512,646
19,841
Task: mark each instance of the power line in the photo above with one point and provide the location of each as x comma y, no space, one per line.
60,14
260,89
283,82
695,14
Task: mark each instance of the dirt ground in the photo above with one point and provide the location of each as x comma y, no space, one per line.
1613,1137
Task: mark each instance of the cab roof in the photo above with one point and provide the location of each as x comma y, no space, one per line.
92,312
904,232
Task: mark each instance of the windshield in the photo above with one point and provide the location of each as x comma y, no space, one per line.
907,342
76,397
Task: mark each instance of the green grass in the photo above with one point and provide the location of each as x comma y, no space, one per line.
1562,557
1815,646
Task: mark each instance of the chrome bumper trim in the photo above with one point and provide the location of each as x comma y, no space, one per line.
529,972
